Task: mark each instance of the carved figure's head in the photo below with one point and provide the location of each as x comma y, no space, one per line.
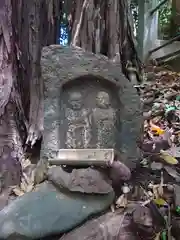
102,99
75,100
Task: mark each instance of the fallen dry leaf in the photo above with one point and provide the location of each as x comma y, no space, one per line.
160,202
173,173
168,158
121,201
158,236
157,129
17,191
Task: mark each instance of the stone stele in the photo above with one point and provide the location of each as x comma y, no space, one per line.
88,104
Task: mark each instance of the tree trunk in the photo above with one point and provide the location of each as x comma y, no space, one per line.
104,27
25,26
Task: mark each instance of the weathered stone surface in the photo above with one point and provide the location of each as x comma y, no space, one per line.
88,104
47,211
133,223
80,180
109,226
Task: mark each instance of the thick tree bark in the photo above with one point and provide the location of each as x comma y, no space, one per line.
25,26
104,27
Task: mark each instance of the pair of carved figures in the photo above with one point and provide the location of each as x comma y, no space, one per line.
85,122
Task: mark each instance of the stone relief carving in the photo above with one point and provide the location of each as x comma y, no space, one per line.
104,117
72,69
90,116
79,122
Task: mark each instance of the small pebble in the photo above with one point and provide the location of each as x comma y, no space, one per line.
156,166
125,189
170,188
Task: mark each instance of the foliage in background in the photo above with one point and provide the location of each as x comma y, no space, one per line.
64,31
134,9
64,25
165,14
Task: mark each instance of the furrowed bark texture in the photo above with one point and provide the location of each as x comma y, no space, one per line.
25,26
104,27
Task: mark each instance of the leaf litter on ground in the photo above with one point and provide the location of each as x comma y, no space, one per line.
160,95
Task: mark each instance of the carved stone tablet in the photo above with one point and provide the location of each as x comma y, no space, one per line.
88,104
89,113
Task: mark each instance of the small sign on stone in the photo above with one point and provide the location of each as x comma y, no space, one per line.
84,157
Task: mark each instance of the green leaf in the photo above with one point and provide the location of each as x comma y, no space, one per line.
164,235
168,158
160,202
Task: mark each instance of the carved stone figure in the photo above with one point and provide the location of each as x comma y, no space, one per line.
88,103
79,122
104,118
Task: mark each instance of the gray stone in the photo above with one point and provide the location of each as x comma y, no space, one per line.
112,226
121,225
88,104
156,166
80,180
47,211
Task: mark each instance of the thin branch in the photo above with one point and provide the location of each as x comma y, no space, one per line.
152,11
75,38
165,44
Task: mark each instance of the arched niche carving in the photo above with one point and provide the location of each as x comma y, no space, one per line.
90,117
